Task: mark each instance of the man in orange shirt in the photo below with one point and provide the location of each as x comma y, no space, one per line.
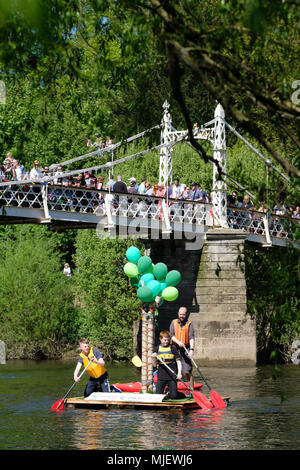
182,336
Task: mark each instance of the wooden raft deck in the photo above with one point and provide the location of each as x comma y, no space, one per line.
183,404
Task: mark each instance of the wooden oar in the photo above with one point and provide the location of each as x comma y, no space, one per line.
215,397
199,398
59,404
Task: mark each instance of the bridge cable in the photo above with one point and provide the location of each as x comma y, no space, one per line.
109,149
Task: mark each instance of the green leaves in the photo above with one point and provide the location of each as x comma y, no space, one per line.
273,299
37,314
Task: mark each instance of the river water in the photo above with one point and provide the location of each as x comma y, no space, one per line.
264,414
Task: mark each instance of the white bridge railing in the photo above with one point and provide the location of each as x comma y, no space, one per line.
262,223
70,199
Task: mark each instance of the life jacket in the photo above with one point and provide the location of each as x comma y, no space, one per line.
94,370
182,332
166,354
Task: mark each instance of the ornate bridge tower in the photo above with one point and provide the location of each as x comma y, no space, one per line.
217,136
219,181
165,162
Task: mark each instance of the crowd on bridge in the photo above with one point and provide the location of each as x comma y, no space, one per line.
13,170
98,142
240,202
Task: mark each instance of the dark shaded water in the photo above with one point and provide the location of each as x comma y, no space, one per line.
264,414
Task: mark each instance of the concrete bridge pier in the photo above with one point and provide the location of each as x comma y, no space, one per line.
213,288
225,333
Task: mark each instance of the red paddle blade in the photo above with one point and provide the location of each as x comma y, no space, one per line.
58,405
217,399
202,401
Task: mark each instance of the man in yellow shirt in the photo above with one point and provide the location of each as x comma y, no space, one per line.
96,370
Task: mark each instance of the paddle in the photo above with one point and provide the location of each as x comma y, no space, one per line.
215,397
199,398
136,361
59,404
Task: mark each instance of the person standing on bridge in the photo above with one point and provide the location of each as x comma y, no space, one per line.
197,194
183,337
142,188
120,186
133,186
110,184
247,204
35,172
177,189
18,171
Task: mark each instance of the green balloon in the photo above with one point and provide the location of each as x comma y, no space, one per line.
163,285
173,278
143,264
133,254
145,294
170,293
131,270
154,286
149,270
147,277
160,271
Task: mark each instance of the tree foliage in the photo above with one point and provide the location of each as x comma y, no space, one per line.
237,50
273,282
36,303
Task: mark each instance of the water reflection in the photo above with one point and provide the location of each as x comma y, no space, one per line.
145,429
88,430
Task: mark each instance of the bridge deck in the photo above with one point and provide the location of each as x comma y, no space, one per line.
133,215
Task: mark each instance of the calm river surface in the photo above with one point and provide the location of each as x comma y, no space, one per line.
264,414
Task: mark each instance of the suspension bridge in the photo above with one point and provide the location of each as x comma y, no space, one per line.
148,217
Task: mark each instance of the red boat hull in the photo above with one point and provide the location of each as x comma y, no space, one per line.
136,387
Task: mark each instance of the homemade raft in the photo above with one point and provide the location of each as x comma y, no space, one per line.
132,400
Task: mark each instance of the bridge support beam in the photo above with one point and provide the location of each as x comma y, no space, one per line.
225,333
213,288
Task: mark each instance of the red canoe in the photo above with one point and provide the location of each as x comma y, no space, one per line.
136,387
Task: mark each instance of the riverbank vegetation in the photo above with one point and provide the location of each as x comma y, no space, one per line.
37,316
273,286
74,69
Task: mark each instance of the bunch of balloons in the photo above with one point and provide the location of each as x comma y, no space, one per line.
158,281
